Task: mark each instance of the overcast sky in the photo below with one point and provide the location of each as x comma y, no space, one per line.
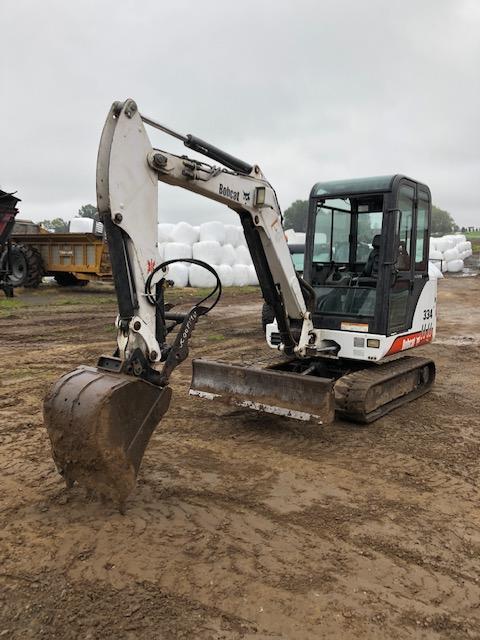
309,90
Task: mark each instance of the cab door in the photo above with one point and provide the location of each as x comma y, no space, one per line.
403,269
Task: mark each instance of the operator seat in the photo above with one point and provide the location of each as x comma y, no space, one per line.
370,269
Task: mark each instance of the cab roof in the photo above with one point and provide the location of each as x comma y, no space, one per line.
355,186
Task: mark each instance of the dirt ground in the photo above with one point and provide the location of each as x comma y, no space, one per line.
242,527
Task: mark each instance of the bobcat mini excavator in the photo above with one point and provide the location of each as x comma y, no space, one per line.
365,297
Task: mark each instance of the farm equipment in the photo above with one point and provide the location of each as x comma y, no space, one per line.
73,259
8,211
365,297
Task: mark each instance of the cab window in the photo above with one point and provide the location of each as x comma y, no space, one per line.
405,224
421,248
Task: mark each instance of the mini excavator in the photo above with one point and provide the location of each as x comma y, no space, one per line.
343,327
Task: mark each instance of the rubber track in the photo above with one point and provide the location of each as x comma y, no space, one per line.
352,390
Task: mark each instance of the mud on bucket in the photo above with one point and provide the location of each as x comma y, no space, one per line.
99,425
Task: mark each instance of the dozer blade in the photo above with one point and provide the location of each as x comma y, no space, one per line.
99,425
282,393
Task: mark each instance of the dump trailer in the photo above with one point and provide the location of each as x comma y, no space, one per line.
341,330
73,259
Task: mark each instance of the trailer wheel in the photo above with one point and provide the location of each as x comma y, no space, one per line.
26,266
65,279
268,315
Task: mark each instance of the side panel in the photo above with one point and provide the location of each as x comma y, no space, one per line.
354,345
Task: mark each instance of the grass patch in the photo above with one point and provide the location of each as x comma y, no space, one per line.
66,301
9,305
215,337
201,292
85,301
102,300
21,372
474,237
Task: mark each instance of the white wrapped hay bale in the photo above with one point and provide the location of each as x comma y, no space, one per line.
451,254
252,276
179,273
242,256
233,234
295,237
290,236
209,251
164,230
442,244
161,251
464,249
176,250
434,273
225,273
455,266
81,225
228,255
200,277
300,237
241,275
435,254
212,231
241,242
185,233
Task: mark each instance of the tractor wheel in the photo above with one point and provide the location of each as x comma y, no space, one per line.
268,315
35,269
65,279
26,266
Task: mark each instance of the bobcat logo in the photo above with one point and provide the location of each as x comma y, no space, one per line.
246,196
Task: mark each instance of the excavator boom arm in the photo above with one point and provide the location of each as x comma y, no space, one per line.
128,169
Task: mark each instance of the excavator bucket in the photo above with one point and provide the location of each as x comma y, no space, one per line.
303,397
99,424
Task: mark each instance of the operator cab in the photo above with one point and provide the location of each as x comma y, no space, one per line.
367,252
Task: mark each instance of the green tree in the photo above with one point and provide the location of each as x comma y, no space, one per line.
295,217
442,221
57,225
87,211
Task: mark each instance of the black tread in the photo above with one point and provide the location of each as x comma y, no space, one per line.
268,315
34,265
352,390
35,268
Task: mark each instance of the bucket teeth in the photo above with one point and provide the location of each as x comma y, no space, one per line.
308,398
99,425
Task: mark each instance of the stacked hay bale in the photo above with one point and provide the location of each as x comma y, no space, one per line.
222,246
448,253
